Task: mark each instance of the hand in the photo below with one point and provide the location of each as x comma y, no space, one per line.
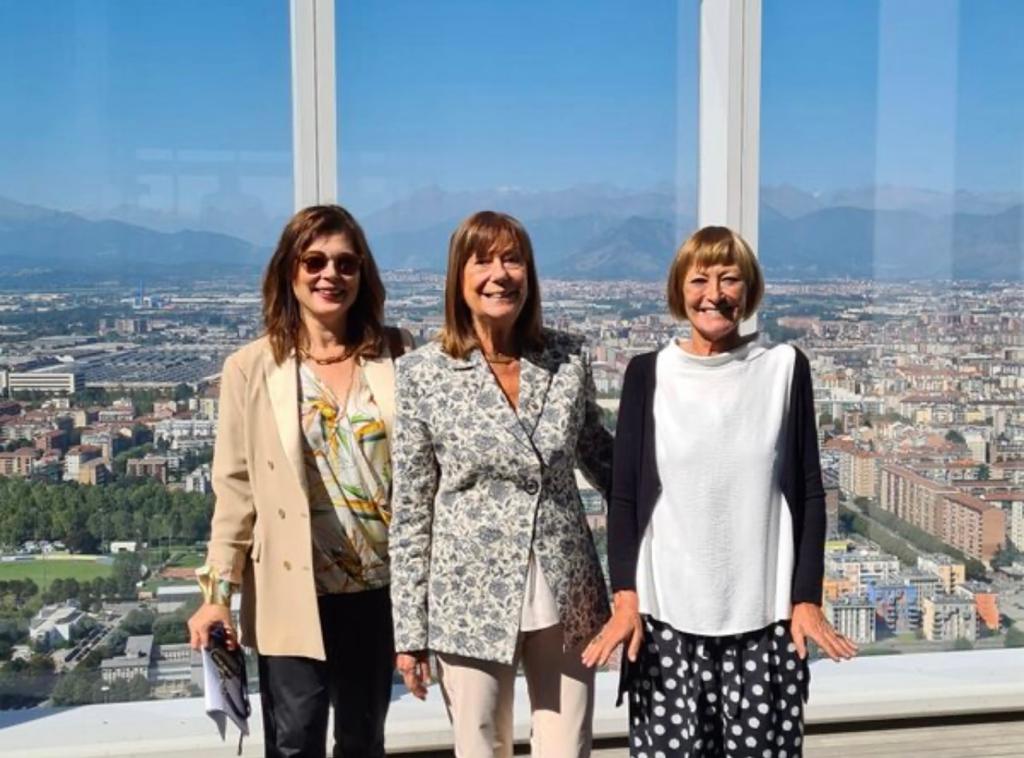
809,622
624,626
204,619
415,670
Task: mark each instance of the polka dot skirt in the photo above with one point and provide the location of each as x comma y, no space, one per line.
740,696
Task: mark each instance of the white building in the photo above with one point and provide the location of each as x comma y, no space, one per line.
57,623
854,617
39,381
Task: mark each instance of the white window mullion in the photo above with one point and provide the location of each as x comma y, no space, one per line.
314,102
728,183
730,98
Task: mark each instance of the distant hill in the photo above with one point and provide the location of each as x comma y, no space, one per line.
39,246
588,232
598,232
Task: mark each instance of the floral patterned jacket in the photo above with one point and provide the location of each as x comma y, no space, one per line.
478,484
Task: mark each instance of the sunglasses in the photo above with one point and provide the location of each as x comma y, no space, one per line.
345,265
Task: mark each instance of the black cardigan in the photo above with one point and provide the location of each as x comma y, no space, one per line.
636,484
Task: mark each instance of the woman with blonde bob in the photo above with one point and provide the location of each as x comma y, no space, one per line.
716,525
493,563
302,478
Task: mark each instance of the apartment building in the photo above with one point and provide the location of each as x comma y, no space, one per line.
948,617
854,617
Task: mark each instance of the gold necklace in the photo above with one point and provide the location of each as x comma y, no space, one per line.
500,359
306,355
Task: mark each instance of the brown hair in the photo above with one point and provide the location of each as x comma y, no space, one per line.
281,315
487,232
713,246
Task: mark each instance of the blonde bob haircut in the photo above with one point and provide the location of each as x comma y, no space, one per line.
714,246
487,233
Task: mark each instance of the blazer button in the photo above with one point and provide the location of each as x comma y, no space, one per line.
271,464
532,488
287,566
280,512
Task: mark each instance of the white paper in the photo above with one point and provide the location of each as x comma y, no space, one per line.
214,698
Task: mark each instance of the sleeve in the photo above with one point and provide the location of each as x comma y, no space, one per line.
594,444
623,535
414,485
807,489
233,513
408,341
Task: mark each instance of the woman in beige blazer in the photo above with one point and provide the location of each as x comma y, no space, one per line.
302,478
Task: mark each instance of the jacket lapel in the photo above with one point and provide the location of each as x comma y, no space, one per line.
494,404
534,382
283,390
380,376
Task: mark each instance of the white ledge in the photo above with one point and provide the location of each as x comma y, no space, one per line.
865,689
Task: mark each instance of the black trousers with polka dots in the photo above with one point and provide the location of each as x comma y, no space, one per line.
740,696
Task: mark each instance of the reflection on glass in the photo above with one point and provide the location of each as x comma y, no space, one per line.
891,234
147,168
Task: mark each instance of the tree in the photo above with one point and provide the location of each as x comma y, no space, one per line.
955,437
962,643
138,621
983,473
170,628
127,572
138,688
1006,555
182,392
1014,637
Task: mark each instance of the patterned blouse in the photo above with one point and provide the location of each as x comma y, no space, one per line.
348,467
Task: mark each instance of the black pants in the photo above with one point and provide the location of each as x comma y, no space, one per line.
356,679
740,696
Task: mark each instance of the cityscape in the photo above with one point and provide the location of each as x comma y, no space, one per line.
108,419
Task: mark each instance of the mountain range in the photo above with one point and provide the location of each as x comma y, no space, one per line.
587,232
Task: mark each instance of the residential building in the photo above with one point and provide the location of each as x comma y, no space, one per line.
853,616
74,459
950,571
148,467
859,472
862,567
986,603
948,617
93,472
20,462
972,526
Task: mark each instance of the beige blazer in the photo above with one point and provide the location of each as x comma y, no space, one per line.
260,535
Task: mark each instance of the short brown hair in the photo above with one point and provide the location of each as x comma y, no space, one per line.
486,232
713,246
281,315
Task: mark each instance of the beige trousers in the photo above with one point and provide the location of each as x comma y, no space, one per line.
479,696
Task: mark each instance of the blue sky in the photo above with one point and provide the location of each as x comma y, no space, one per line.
169,106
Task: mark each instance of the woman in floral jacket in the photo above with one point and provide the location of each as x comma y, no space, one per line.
492,560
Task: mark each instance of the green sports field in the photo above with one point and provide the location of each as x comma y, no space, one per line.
42,572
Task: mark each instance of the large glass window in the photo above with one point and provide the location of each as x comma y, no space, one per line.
146,155
580,121
891,232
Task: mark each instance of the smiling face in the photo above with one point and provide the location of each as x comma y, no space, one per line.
494,284
326,282
715,300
